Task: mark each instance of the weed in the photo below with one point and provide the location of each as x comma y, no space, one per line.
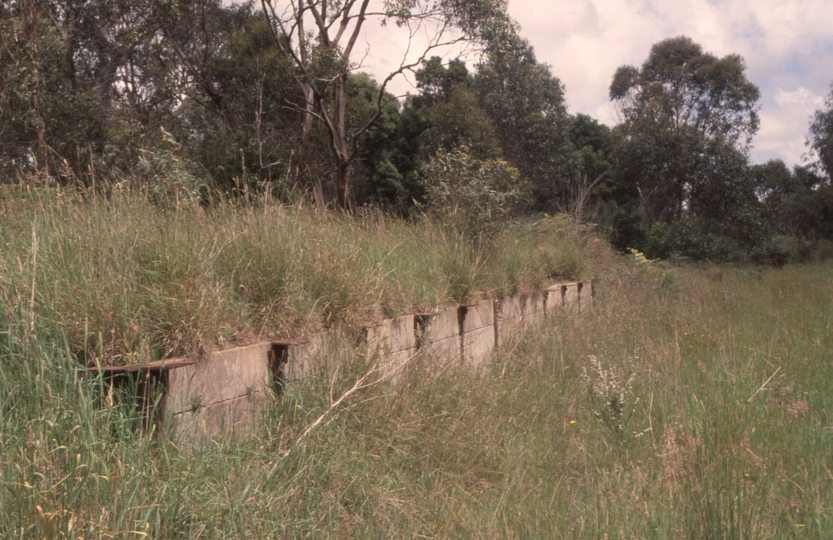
611,395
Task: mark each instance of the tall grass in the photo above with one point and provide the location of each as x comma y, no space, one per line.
126,281
731,369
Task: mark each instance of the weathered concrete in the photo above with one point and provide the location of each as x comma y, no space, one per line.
571,296
479,361
236,417
391,335
478,342
555,299
585,296
508,329
223,375
438,326
534,307
447,348
395,363
509,307
225,393
307,357
402,334
476,316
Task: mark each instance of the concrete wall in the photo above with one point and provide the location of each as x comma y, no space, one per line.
227,392
223,394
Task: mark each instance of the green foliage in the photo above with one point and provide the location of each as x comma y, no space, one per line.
658,243
626,232
680,85
798,203
820,138
688,120
475,196
526,103
168,178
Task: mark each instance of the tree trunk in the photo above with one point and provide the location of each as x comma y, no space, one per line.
340,143
306,159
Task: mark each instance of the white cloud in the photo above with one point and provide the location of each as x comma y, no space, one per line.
784,125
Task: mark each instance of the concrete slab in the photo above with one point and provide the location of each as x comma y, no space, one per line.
509,307
308,357
445,349
555,298
439,326
478,342
402,334
571,296
237,417
478,316
223,375
534,308
585,296
479,361
394,362
508,329
377,337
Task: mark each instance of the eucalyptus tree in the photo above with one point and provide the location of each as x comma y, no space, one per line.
80,80
526,103
688,118
820,138
320,38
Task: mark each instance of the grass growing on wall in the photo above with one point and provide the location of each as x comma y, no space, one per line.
726,432
126,281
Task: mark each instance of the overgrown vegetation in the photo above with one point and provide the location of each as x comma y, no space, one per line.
126,280
731,369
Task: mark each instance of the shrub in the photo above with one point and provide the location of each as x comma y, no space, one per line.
473,195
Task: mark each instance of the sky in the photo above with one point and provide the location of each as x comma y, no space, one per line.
787,46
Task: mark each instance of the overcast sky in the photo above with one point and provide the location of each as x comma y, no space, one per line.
787,46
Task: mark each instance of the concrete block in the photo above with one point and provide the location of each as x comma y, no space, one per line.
534,305
402,334
377,337
510,307
395,362
444,349
308,357
509,329
439,326
478,342
585,296
555,298
571,296
223,375
479,361
478,316
391,335
236,417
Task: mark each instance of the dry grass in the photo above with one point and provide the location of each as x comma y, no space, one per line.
126,281
512,451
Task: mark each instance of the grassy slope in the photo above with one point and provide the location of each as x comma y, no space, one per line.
127,282
515,451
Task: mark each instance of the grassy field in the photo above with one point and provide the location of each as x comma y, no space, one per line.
688,404
128,282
